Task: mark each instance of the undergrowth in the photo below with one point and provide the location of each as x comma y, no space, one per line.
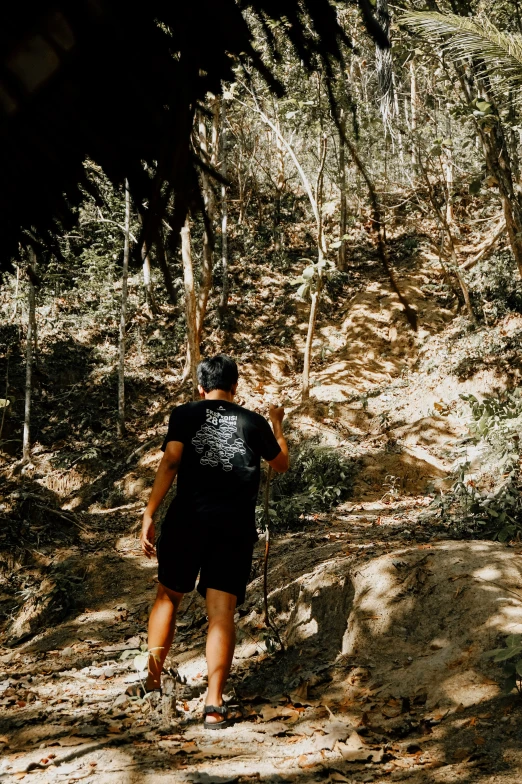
487,499
319,478
495,287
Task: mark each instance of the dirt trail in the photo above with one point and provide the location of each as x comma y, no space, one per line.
384,618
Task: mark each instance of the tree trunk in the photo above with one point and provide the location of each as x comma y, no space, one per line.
413,113
15,308
193,355
223,303
31,338
123,317
165,269
343,223
305,390
208,251
448,166
150,302
321,244
280,185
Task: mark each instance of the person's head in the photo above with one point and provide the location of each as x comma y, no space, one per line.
219,372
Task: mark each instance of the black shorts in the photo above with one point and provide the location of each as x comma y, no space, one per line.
223,561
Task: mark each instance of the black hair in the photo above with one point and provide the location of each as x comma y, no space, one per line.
219,372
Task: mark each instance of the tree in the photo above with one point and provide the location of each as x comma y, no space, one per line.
123,317
193,355
493,54
30,345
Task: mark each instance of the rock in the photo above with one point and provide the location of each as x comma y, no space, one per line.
120,701
248,651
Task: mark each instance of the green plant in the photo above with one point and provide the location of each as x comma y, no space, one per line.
490,499
319,478
511,657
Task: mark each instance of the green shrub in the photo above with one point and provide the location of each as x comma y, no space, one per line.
495,286
319,478
489,501
511,657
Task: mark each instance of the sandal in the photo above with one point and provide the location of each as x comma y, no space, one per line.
216,725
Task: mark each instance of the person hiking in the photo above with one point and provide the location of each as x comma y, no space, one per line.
214,447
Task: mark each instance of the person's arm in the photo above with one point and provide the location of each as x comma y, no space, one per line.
165,475
280,463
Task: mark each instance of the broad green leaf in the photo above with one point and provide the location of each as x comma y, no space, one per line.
4,403
308,273
508,653
303,290
483,106
474,187
141,662
514,639
335,245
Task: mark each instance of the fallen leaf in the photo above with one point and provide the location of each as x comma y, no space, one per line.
354,750
480,741
460,755
338,777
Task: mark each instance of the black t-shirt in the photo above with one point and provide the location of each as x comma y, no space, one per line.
218,477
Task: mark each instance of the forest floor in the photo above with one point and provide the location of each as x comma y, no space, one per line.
384,615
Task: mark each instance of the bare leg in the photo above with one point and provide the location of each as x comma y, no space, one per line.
162,625
221,641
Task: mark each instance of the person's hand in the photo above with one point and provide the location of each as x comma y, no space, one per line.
147,536
276,414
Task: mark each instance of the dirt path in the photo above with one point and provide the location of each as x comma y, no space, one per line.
384,618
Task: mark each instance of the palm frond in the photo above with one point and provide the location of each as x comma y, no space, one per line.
496,53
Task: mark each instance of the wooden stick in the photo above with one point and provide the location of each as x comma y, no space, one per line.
268,622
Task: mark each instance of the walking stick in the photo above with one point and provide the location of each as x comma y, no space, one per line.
268,622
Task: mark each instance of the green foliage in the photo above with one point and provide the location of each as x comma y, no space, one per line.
511,658
491,500
498,53
319,479
312,277
495,286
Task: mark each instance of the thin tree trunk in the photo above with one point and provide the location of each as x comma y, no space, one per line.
342,184
223,303
150,302
123,317
305,390
208,251
15,308
31,337
321,245
5,401
280,184
413,113
193,355
449,186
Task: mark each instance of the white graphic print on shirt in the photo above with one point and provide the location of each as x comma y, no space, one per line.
213,440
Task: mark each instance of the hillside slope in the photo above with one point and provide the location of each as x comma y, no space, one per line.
384,614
